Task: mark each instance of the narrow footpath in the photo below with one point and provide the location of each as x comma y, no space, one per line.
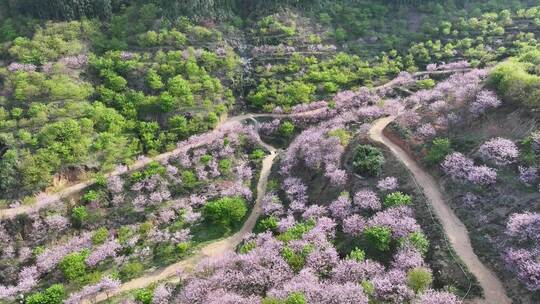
456,231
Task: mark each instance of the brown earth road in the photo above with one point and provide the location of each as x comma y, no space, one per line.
10,213
455,230
211,250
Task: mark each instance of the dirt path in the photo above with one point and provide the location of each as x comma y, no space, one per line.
211,250
456,231
76,188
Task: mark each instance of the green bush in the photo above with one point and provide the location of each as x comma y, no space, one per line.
379,237
257,155
357,254
247,247
440,148
296,231
419,279
293,298
73,265
395,199
100,236
368,160
419,241
286,129
182,249
144,296
224,166
52,295
130,271
296,260
79,215
227,211
269,223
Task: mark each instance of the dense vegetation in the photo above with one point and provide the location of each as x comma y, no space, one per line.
92,90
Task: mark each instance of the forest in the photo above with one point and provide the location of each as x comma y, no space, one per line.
269,152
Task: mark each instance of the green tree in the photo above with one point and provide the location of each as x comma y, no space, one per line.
419,279
395,199
154,80
368,160
100,236
79,215
440,148
179,87
286,129
379,237
144,296
130,271
227,211
55,294
73,265
357,254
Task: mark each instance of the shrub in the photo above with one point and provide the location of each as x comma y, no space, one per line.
419,241
189,179
257,155
79,215
419,279
100,236
225,166
144,296
247,247
357,254
227,211
268,224
52,295
296,260
440,148
182,249
73,265
368,160
91,196
286,129
130,271
296,231
395,199
165,253
379,237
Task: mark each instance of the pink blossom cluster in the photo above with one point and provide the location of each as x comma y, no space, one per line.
105,285
387,184
322,48
106,250
526,266
528,175
426,131
126,55
459,167
25,67
485,100
367,200
318,152
457,65
270,127
500,151
399,220
74,62
270,50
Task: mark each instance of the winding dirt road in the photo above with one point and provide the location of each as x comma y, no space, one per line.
139,164
211,250
456,231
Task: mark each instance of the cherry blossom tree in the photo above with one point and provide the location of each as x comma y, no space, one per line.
500,151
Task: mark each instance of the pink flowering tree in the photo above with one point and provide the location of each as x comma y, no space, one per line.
500,151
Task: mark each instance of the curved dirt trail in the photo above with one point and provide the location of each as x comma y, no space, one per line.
456,231
138,164
214,249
